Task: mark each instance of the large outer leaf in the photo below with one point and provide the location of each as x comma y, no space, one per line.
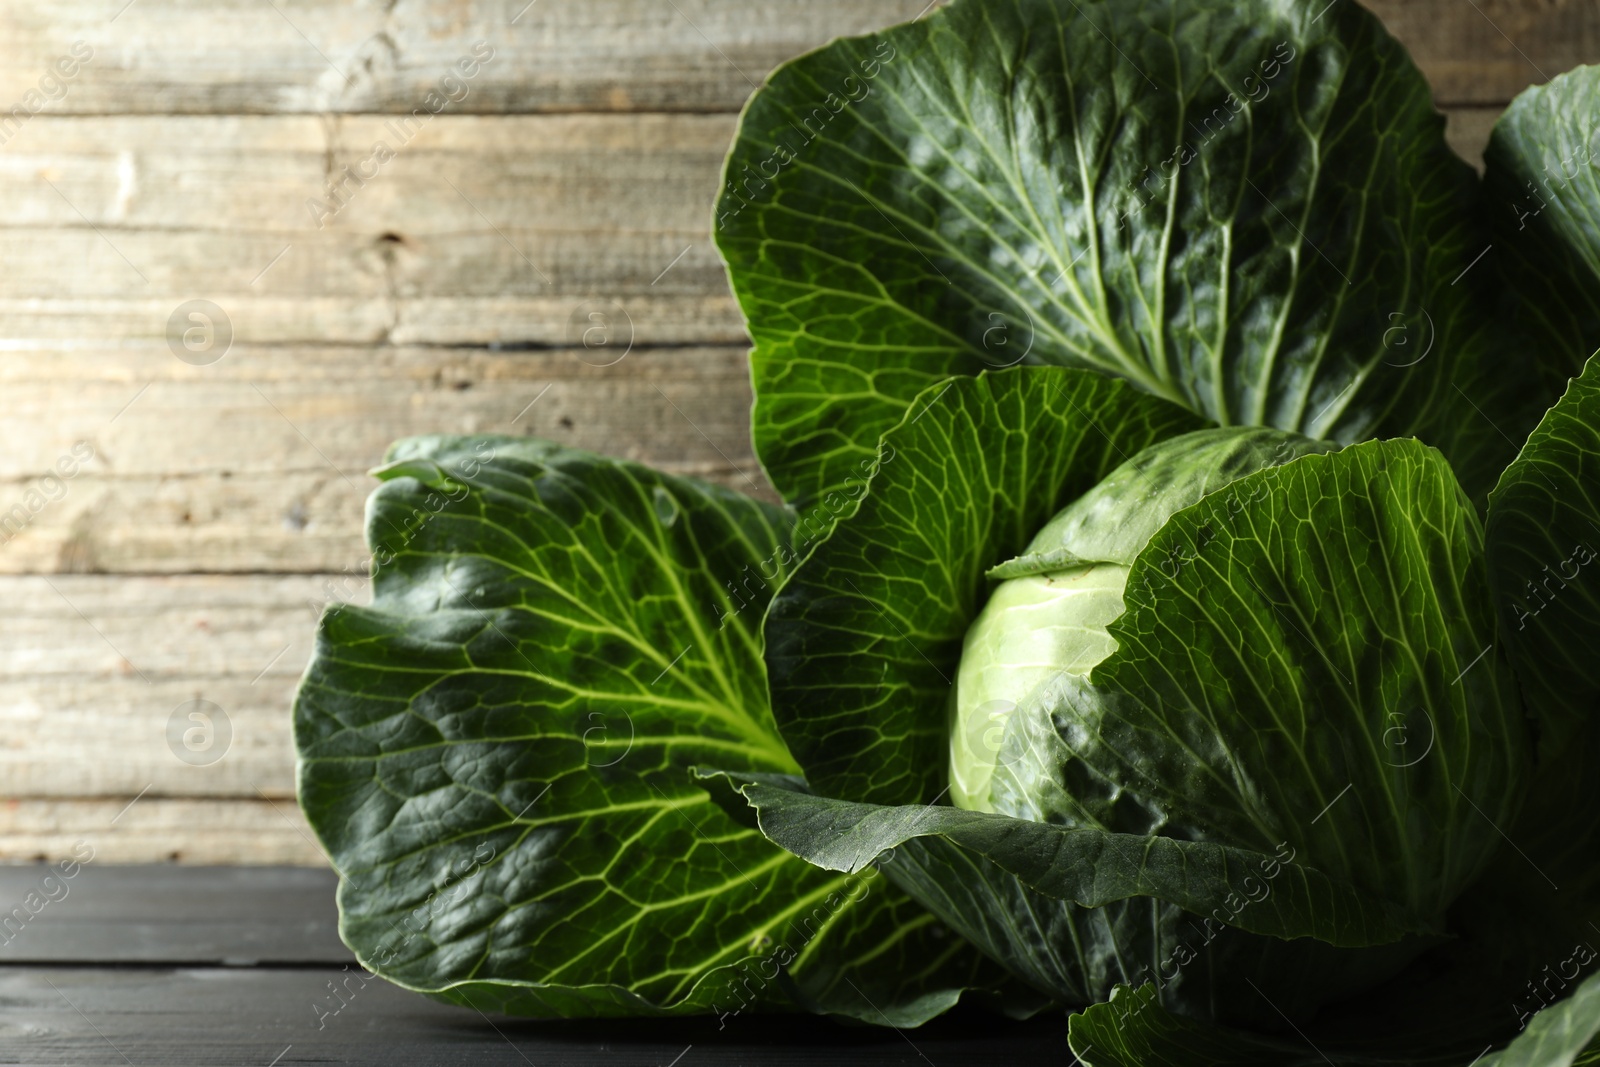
1052,944
1245,206
1087,867
495,753
1543,541
1542,184
1305,656
862,642
1073,912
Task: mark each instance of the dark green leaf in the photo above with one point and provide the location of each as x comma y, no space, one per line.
1072,953
1304,657
1017,890
1264,892
1244,206
1542,186
1543,545
495,755
1132,1029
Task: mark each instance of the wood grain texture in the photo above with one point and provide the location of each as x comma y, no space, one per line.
106,735
257,976
211,1016
1487,51
98,679
479,230
212,965
257,462
236,56
213,831
1467,130
221,916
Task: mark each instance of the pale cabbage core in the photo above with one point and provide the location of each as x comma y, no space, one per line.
1032,628
1048,613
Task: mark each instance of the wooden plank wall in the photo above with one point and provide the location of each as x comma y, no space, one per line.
221,504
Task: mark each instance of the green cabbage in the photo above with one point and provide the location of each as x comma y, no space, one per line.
1050,612
1139,635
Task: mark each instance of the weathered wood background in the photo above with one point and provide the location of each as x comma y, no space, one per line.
188,559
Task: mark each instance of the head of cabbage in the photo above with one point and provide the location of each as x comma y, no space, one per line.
1050,606
1240,720
1032,735
1138,702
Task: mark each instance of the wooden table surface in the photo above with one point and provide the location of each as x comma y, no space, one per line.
233,967
186,160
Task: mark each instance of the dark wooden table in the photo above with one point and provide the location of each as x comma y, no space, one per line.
230,966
